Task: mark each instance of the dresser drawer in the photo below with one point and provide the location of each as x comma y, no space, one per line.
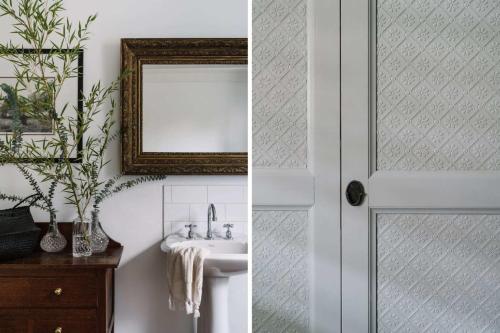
65,326
14,325
48,321
48,292
14,292
64,292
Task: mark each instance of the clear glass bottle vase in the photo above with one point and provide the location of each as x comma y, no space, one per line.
53,240
99,239
82,235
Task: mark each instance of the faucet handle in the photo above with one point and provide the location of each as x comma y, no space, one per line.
229,235
190,232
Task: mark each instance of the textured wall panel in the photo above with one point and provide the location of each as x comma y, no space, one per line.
280,272
280,254
438,273
438,85
279,84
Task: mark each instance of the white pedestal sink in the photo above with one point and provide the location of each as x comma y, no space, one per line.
225,259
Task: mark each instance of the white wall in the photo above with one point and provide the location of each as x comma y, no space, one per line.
134,217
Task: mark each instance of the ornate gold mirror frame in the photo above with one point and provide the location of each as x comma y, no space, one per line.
139,52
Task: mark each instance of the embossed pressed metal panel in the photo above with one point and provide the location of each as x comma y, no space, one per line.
280,250
438,85
438,273
279,84
280,272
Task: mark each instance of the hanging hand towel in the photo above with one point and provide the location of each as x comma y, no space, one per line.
185,278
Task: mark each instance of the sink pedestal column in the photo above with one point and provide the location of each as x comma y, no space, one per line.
214,308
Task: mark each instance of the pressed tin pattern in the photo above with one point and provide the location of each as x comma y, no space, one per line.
279,84
438,85
280,265
280,272
438,273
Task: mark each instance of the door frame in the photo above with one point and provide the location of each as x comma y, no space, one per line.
324,20
356,99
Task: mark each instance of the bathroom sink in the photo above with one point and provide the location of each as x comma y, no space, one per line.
226,257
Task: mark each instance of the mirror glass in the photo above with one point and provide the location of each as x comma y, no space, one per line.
194,108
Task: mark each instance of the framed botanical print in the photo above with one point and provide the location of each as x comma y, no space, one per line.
39,130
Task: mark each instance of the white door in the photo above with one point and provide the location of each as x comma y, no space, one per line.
420,105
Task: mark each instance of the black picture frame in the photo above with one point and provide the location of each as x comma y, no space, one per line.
80,97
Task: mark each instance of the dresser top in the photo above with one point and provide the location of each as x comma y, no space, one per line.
39,259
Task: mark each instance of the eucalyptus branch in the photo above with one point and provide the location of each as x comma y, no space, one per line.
47,199
110,187
17,198
40,24
50,197
10,197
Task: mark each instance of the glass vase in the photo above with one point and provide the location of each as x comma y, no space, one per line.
82,235
53,240
99,239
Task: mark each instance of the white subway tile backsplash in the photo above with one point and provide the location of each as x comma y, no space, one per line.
216,227
180,227
167,194
167,228
188,204
200,228
245,194
176,212
236,212
207,180
198,212
189,194
239,229
221,212
227,194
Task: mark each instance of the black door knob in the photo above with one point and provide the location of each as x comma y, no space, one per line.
355,193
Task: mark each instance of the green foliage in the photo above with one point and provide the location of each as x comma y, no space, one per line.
40,24
17,198
43,201
14,104
46,199
111,187
11,104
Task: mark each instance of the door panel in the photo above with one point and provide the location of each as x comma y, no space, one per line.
421,130
438,84
437,272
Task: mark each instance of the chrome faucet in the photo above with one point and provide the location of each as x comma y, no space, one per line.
212,216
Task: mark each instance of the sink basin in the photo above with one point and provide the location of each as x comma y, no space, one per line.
226,257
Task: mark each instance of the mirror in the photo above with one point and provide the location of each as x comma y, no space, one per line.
185,106
207,101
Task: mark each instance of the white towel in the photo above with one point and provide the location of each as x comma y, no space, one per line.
185,278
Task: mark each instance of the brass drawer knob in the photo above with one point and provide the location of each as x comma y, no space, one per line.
58,330
58,292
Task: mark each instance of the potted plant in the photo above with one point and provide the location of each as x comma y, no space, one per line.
40,24
53,240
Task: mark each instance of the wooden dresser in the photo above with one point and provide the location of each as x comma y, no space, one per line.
56,293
